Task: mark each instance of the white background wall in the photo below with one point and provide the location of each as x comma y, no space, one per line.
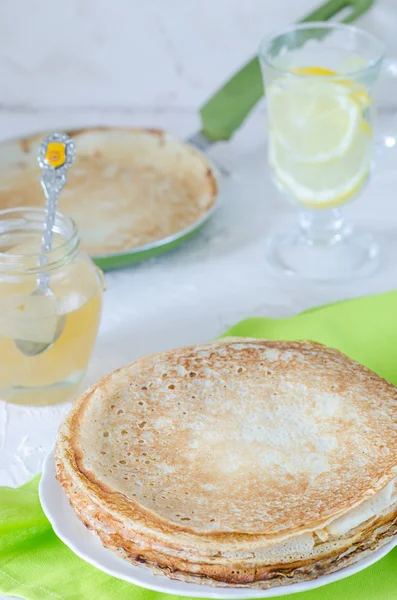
128,53
133,56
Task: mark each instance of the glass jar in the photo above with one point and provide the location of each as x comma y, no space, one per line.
64,320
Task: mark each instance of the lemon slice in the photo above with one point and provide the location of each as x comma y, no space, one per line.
314,71
323,184
315,120
358,93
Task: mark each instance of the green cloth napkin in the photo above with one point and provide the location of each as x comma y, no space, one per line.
34,564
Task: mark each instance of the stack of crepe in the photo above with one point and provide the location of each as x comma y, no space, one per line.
237,463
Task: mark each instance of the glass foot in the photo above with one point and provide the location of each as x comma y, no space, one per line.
341,257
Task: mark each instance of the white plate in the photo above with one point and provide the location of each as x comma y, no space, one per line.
86,545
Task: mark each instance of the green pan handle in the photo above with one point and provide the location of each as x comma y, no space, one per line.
226,110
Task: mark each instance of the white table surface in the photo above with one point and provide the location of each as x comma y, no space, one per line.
195,293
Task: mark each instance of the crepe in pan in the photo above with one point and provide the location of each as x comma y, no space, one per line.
127,189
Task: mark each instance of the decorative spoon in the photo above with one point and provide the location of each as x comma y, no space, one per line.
56,155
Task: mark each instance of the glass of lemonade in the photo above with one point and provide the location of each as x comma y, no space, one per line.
53,375
319,82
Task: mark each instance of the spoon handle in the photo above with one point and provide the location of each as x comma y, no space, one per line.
56,154
52,183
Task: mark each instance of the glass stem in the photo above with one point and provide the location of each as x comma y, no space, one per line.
322,227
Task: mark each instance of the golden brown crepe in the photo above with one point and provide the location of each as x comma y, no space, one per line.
240,462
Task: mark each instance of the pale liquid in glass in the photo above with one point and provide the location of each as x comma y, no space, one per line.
320,128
